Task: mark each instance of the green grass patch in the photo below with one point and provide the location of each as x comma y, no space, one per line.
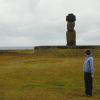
46,75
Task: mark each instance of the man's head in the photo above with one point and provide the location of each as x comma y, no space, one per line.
88,52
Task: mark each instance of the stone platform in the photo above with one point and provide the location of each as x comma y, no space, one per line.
69,47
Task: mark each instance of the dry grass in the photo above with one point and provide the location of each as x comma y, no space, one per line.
45,76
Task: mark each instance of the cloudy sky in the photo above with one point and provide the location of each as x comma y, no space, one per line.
42,22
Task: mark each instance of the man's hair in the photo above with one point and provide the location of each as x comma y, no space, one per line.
88,52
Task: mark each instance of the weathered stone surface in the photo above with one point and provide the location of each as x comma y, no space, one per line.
71,34
71,38
70,26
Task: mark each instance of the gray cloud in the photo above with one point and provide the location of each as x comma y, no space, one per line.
42,22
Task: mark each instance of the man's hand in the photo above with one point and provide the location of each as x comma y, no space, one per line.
92,76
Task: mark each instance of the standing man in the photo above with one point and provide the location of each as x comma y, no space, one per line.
88,73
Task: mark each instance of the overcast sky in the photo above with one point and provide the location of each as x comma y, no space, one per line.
42,22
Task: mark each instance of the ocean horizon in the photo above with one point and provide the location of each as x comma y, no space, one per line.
16,48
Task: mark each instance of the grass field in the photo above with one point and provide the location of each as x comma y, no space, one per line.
46,75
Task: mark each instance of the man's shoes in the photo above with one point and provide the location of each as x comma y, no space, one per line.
88,95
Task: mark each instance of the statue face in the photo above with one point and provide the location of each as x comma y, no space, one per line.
70,26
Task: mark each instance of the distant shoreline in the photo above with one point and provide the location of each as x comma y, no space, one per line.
16,48
45,47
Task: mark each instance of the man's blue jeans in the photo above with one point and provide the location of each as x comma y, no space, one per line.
88,83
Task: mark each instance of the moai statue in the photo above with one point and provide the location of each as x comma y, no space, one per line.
71,34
